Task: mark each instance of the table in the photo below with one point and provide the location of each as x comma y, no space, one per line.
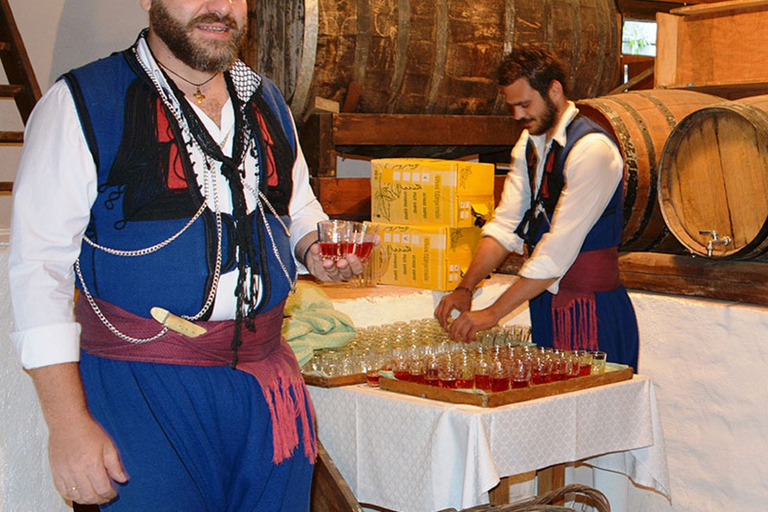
416,455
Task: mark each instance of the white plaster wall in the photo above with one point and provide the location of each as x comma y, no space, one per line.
60,35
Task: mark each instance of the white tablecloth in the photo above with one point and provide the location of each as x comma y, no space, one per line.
417,455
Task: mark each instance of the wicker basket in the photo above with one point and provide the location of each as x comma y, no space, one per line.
593,500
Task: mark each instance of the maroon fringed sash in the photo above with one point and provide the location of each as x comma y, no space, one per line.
264,354
574,317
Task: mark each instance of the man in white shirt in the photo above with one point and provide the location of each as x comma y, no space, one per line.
168,176
563,200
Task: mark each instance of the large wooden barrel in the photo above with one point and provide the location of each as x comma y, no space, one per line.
426,56
640,123
713,177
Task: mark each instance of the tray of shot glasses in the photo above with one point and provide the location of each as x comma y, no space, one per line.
612,373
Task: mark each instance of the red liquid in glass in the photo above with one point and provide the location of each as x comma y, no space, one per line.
556,377
499,384
464,383
517,384
346,248
417,378
448,384
330,251
373,379
539,379
363,250
483,382
585,369
400,375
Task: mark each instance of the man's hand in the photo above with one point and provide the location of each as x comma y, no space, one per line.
459,299
469,323
84,459
329,270
84,462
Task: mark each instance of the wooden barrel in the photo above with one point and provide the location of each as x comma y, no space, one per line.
427,56
713,177
640,123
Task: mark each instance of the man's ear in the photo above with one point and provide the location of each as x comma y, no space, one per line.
145,4
555,91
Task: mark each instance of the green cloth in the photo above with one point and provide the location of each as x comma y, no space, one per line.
311,322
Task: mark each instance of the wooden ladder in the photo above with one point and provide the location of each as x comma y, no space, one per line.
22,86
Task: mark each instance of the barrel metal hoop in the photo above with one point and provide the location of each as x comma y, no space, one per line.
652,169
401,52
308,57
362,41
669,117
630,153
441,55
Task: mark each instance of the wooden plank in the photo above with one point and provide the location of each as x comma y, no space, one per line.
730,6
334,382
665,67
11,91
550,479
330,492
316,136
499,495
739,281
344,197
11,137
424,130
709,50
505,397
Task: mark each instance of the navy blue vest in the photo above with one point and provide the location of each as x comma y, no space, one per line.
607,230
147,192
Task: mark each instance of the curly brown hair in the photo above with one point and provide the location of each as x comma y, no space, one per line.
536,64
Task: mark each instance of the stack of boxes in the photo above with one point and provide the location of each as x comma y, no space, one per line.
429,212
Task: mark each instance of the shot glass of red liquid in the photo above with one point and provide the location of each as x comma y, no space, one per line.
335,238
585,362
520,373
541,368
364,235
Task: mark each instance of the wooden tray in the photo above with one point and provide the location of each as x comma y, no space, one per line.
506,397
334,382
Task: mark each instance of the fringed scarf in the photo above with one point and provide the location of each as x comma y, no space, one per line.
574,316
264,354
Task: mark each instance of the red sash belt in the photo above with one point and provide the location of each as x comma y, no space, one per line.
264,354
574,317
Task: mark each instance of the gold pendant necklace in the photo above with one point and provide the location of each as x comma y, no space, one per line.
199,96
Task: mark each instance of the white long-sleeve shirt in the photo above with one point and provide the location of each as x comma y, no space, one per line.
593,169
55,187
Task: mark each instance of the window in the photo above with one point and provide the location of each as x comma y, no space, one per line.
639,38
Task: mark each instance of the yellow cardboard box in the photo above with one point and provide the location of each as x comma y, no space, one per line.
430,257
422,191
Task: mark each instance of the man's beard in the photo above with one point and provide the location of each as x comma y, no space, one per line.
547,120
211,58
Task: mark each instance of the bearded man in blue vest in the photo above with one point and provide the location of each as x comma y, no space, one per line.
167,183
562,200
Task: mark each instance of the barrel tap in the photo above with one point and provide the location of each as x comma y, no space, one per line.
716,240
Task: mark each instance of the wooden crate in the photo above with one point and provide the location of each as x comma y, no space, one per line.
719,48
334,382
506,397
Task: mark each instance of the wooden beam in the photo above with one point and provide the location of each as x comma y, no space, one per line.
719,7
424,130
738,281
